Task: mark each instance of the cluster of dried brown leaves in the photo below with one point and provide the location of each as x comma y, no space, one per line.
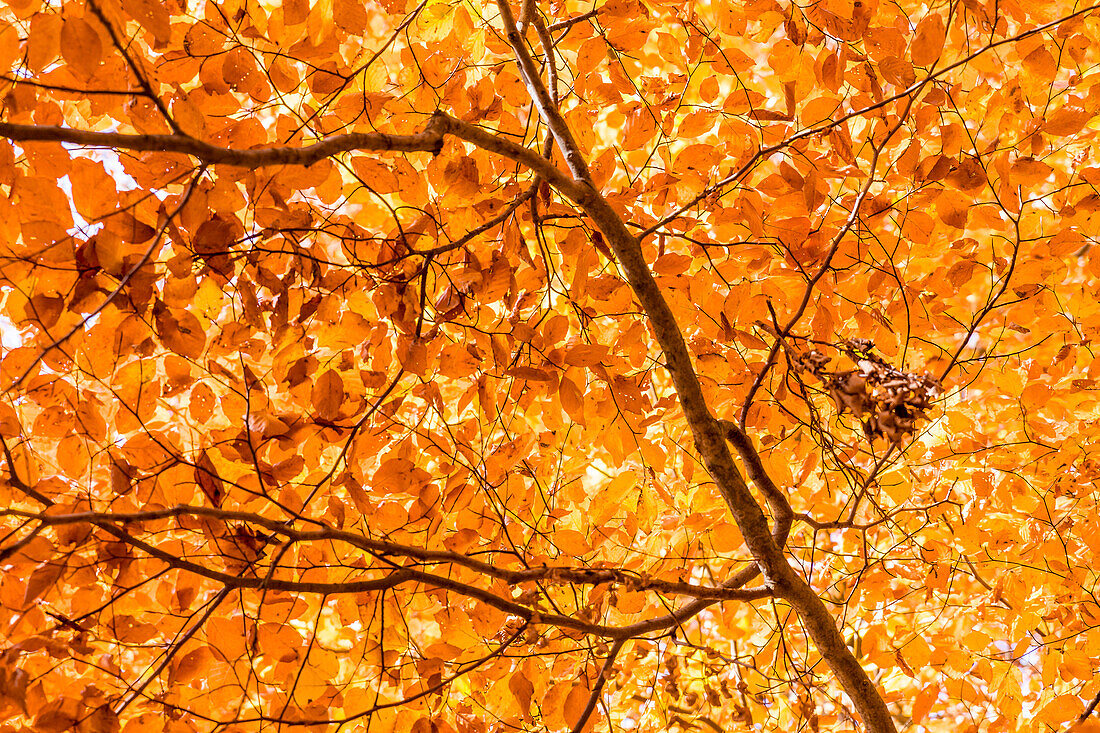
887,400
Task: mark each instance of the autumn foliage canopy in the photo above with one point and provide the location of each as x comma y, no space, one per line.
634,365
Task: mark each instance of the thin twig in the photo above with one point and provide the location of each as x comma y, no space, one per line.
570,22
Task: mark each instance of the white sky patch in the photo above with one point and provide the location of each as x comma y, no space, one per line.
10,337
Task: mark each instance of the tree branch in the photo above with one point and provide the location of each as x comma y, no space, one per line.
430,140
594,697
541,97
582,576
782,512
174,649
709,436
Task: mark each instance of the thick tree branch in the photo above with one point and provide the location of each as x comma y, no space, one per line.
430,140
524,156
710,442
709,435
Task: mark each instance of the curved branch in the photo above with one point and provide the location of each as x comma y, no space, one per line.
782,512
430,140
703,596
560,574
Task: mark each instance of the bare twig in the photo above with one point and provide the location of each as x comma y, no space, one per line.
568,23
382,548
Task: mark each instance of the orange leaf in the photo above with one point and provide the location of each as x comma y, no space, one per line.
572,401
929,40
152,16
80,45
44,40
522,689
44,577
924,701
575,703
1059,710
328,395
1067,121
585,354
179,330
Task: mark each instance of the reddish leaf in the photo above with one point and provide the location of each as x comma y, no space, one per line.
206,476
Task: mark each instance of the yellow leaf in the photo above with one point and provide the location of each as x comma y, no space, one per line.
1059,710
917,653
